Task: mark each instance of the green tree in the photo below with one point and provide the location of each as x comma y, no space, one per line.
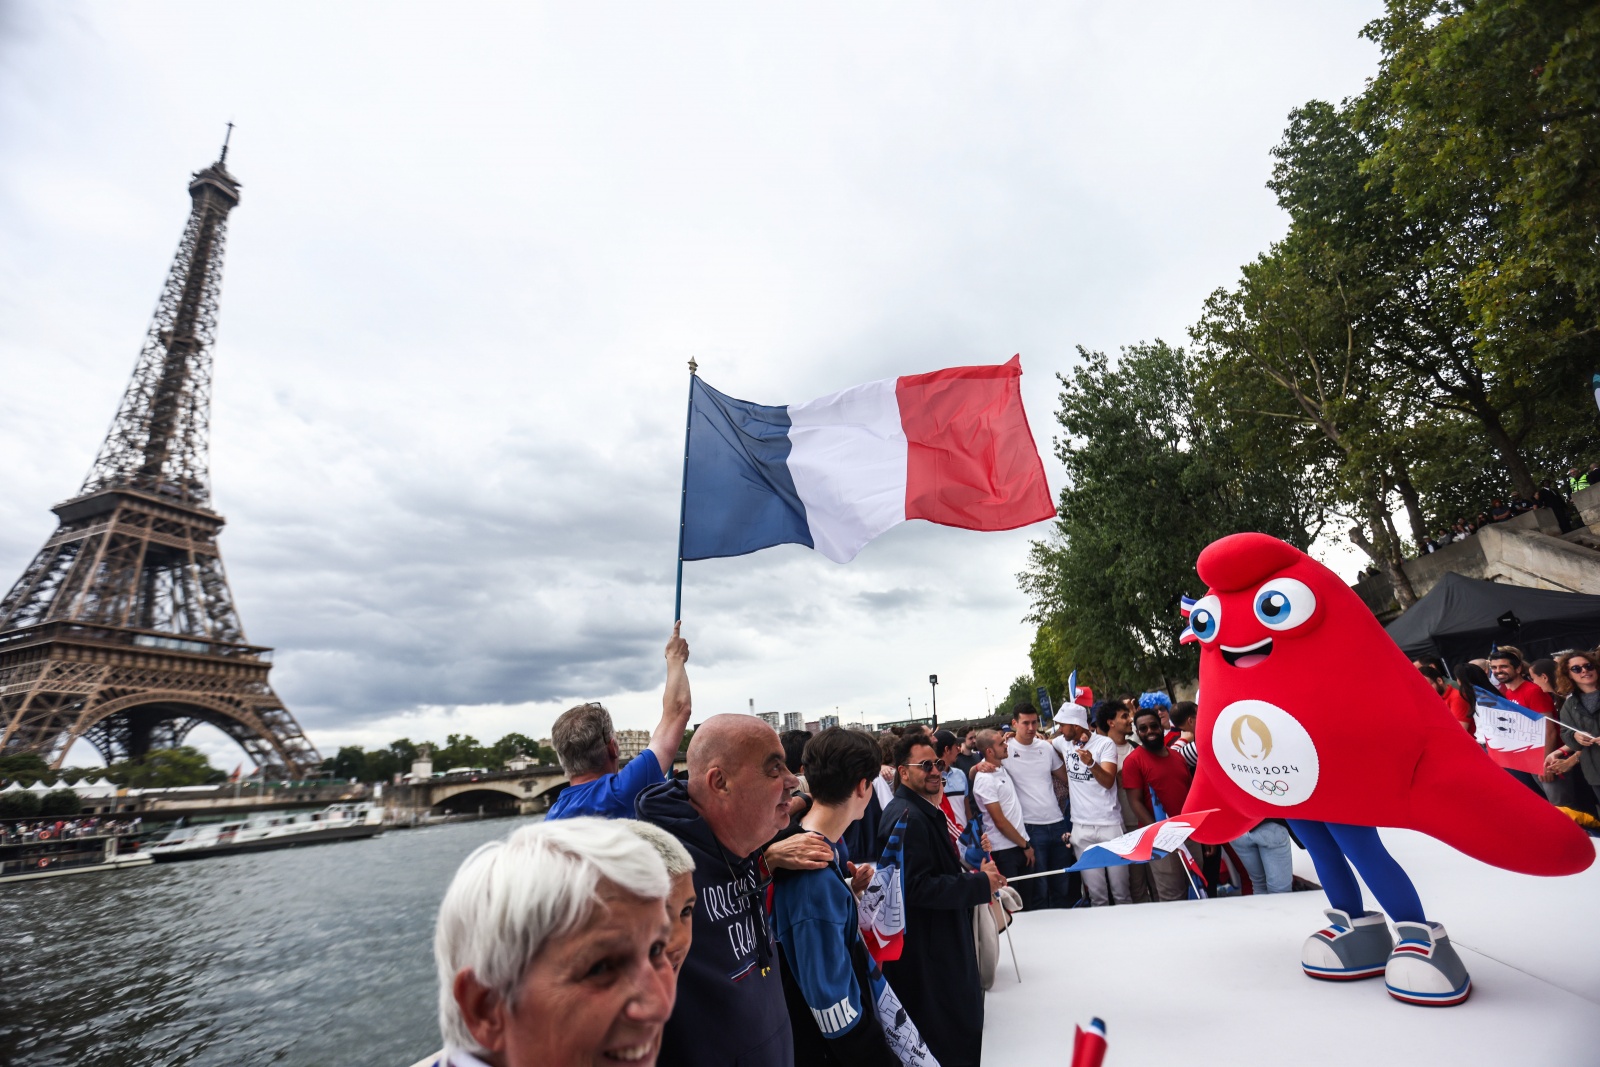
24,767
404,752
63,803
166,768
461,750
351,762
1489,111
509,746
381,766
1354,337
1149,485
1019,692
19,805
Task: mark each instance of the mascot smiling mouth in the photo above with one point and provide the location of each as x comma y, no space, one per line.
1248,657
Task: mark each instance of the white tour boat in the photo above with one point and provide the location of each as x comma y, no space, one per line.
337,822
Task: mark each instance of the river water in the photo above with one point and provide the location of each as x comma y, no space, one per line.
321,955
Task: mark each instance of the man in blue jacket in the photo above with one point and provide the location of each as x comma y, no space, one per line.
587,746
828,976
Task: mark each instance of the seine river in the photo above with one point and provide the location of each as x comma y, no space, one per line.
321,955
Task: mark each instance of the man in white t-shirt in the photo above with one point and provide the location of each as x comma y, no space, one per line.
995,797
1091,763
1033,763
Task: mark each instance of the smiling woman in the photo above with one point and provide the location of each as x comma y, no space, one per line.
552,950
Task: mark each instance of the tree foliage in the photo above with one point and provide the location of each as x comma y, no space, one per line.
1419,341
24,768
1149,485
166,768
458,751
19,805
63,803
1420,327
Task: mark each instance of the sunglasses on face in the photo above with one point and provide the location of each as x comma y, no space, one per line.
927,766
1580,668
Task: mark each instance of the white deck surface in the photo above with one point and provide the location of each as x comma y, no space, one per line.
1218,981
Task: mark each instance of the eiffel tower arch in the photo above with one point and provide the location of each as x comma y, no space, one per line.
122,631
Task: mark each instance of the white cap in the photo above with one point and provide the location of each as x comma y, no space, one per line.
1072,715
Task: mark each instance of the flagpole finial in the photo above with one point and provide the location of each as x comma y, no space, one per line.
693,366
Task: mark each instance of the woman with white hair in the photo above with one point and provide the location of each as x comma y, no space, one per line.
551,949
681,898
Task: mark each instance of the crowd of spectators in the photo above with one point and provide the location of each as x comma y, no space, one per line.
29,831
715,918
721,923
1564,688
1552,493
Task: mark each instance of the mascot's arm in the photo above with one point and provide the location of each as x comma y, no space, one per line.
1227,823
1462,798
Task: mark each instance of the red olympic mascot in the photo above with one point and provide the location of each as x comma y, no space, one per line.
1275,742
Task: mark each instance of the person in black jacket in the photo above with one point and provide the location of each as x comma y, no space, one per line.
730,1008
936,975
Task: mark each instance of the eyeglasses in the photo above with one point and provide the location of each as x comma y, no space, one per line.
1580,668
927,766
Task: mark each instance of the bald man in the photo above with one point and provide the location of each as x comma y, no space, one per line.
730,1007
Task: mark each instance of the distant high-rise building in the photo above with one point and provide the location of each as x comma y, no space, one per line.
771,718
827,721
793,720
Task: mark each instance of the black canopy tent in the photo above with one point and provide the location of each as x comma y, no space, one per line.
1463,618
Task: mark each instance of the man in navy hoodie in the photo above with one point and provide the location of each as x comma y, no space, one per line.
730,1008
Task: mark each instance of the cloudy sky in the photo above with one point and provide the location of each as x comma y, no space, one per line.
478,243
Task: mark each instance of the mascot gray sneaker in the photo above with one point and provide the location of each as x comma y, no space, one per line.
1425,969
1347,949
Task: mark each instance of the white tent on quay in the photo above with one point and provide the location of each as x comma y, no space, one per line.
94,789
14,787
40,788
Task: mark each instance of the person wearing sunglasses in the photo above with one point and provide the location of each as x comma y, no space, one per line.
1579,682
937,972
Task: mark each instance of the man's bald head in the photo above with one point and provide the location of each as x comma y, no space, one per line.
724,738
738,780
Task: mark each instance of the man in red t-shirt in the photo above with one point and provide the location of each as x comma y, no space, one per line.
1152,769
1506,666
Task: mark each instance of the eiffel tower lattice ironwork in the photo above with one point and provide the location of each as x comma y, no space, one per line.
122,631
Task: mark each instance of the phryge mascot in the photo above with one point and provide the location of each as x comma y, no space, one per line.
1275,740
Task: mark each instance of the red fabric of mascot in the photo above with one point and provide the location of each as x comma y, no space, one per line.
1275,742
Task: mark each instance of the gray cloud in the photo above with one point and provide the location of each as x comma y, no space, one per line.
473,257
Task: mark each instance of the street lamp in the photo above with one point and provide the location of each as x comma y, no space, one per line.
933,684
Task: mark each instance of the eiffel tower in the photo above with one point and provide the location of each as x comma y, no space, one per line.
122,631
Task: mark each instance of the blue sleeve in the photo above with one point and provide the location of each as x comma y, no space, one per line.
816,941
641,772
610,796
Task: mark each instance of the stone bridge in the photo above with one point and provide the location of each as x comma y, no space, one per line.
525,792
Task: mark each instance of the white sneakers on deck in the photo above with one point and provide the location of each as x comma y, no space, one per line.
1421,968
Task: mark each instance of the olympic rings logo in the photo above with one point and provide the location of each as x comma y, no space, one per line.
1271,789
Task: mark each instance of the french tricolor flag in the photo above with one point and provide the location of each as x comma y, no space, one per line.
1147,843
951,447
1512,734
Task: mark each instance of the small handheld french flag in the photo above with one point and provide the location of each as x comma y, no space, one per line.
1512,734
951,447
1079,694
1185,607
1147,843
